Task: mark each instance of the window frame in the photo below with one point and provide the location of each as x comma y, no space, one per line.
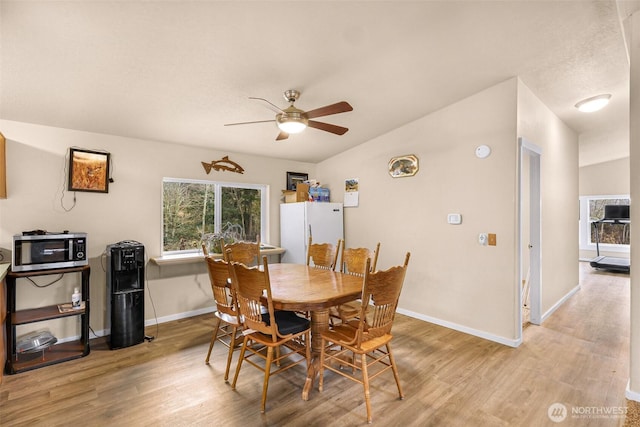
585,225
218,185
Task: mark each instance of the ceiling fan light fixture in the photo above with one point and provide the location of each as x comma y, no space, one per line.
292,126
292,121
594,103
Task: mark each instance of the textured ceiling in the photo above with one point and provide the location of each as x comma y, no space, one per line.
178,71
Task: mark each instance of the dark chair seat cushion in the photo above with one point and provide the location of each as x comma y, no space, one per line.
288,322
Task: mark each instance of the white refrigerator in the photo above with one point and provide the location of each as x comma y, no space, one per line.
323,220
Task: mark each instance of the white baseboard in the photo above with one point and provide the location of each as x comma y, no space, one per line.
464,329
557,305
178,316
148,322
630,394
483,334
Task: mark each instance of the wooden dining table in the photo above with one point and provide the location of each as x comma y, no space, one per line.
298,287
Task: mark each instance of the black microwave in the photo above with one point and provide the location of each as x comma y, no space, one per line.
41,251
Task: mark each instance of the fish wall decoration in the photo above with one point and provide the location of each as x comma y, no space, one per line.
224,164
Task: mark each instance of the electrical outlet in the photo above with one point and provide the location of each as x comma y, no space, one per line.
454,218
482,239
492,239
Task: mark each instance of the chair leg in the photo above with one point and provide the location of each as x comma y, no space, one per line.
213,338
232,347
321,365
240,359
267,372
394,368
365,383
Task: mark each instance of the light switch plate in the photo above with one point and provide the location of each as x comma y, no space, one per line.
454,218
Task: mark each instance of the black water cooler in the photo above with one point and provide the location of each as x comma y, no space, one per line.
125,293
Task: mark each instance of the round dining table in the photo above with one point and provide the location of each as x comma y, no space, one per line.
298,287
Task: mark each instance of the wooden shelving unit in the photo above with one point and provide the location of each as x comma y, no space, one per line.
19,362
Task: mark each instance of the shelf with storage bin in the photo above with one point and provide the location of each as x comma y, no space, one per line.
18,362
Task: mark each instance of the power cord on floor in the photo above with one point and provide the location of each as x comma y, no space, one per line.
94,333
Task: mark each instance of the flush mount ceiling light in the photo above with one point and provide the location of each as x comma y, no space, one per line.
594,103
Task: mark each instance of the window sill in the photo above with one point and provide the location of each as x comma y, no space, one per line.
606,247
199,257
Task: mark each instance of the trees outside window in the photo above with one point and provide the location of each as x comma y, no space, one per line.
614,237
614,234
194,211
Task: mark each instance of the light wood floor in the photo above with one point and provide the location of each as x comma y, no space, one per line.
579,357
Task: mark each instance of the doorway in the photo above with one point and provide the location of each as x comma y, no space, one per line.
530,233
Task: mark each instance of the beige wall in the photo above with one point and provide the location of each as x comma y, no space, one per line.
131,210
559,192
605,178
452,280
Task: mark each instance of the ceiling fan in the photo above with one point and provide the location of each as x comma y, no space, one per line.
293,120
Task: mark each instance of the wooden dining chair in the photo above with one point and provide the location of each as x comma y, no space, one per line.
354,261
323,255
369,336
248,253
265,332
227,325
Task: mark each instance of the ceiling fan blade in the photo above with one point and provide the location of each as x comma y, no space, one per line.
338,107
338,130
273,107
281,136
248,123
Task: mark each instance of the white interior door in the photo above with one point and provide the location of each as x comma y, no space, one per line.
530,230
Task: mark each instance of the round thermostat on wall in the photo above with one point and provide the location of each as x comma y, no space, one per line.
483,151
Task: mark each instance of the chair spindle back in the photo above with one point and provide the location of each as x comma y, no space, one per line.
382,289
250,284
353,260
248,253
223,294
322,255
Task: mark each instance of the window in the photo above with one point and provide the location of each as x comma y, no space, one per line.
613,237
194,210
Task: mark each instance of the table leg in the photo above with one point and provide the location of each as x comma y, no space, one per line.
319,323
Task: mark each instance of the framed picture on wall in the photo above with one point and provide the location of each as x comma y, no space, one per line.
88,170
402,166
294,178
